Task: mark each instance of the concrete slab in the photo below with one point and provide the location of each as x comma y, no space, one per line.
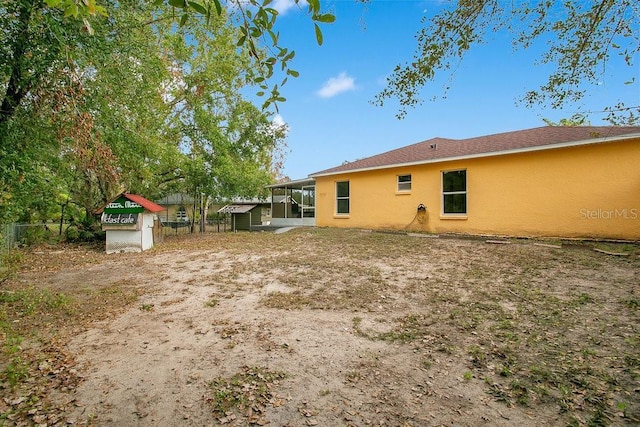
283,230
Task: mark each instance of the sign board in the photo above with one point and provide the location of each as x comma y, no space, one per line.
123,206
119,218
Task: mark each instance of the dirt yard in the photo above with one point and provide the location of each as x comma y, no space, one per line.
323,327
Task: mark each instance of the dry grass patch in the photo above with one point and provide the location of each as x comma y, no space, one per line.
34,324
245,394
537,329
545,329
286,300
537,325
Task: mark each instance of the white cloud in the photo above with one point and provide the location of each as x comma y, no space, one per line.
336,85
278,126
283,6
278,120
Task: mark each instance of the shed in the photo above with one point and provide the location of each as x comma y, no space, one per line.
131,223
243,217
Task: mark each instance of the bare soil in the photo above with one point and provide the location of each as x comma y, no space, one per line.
323,327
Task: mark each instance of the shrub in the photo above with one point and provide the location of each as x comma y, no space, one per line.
32,235
72,233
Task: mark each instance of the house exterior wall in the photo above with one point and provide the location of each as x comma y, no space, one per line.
171,212
590,191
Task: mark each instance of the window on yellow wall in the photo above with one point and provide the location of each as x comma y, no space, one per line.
342,197
404,183
454,192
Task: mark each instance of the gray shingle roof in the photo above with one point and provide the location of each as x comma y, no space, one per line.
442,149
236,209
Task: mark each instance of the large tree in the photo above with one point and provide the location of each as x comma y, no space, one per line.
87,114
581,38
219,131
255,20
32,57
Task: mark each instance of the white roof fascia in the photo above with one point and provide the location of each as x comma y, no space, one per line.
488,154
290,183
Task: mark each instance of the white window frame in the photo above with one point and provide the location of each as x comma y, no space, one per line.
347,198
452,193
404,186
181,214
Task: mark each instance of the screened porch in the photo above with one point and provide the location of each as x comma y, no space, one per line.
293,203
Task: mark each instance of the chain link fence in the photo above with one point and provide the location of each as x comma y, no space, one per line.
7,240
11,235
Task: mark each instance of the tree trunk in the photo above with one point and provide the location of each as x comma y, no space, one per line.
64,205
18,85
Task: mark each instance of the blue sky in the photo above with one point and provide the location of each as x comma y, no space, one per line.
328,107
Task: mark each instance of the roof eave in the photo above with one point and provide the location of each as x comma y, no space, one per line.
487,154
297,182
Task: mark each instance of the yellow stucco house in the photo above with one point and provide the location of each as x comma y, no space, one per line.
546,182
